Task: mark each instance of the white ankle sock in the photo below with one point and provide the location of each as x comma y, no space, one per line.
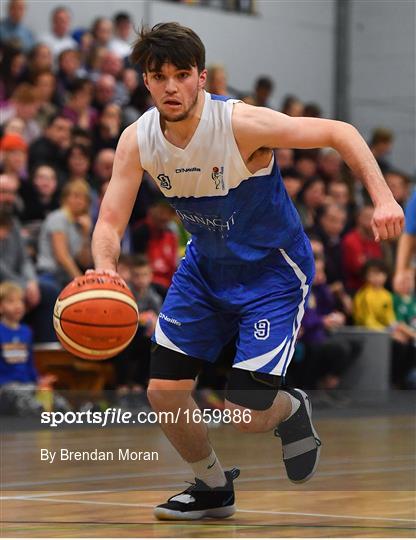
209,470
295,404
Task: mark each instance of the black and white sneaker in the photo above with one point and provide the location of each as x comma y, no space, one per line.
199,501
300,442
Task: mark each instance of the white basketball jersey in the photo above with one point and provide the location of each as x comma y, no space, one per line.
232,214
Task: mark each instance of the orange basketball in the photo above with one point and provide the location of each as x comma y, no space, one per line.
95,316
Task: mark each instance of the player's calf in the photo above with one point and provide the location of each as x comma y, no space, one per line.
288,409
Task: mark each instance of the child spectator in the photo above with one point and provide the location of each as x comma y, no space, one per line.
132,365
373,304
19,381
124,267
373,308
154,238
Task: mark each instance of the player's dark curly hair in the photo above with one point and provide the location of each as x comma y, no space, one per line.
168,43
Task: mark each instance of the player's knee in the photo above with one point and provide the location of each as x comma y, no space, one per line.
250,395
252,389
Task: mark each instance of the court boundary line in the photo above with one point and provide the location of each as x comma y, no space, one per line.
247,511
324,474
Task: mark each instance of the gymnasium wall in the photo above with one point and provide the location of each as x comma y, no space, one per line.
290,41
383,72
293,42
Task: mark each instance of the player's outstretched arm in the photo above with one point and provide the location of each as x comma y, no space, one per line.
256,127
118,202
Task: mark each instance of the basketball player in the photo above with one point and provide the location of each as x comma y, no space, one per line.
248,267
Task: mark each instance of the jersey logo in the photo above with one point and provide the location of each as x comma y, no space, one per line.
262,329
191,169
218,177
164,181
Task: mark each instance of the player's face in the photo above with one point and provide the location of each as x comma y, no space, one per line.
175,91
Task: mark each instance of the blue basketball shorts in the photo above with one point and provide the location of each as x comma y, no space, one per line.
262,302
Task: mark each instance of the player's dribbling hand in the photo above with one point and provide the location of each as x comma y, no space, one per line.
388,221
111,273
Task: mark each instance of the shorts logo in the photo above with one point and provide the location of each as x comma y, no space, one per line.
170,320
218,177
164,181
262,329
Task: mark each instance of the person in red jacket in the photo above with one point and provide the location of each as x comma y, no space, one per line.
154,238
359,246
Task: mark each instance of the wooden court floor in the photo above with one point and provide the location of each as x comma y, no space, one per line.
364,487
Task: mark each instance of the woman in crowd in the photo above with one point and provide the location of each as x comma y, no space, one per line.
64,242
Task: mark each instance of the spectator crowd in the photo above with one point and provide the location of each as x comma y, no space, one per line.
65,98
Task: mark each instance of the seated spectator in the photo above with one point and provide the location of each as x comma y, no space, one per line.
130,80
292,106
124,267
285,158
24,104
40,195
293,182
39,59
112,64
59,37
78,107
140,102
103,167
132,365
217,80
12,29
13,66
16,265
123,29
44,83
14,125
105,92
373,308
108,128
51,148
399,184
338,192
310,198
64,250
312,110
326,356
329,165
78,163
329,226
19,380
359,246
263,89
306,163
69,69
102,32
153,238
82,137
381,144
405,311
13,149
